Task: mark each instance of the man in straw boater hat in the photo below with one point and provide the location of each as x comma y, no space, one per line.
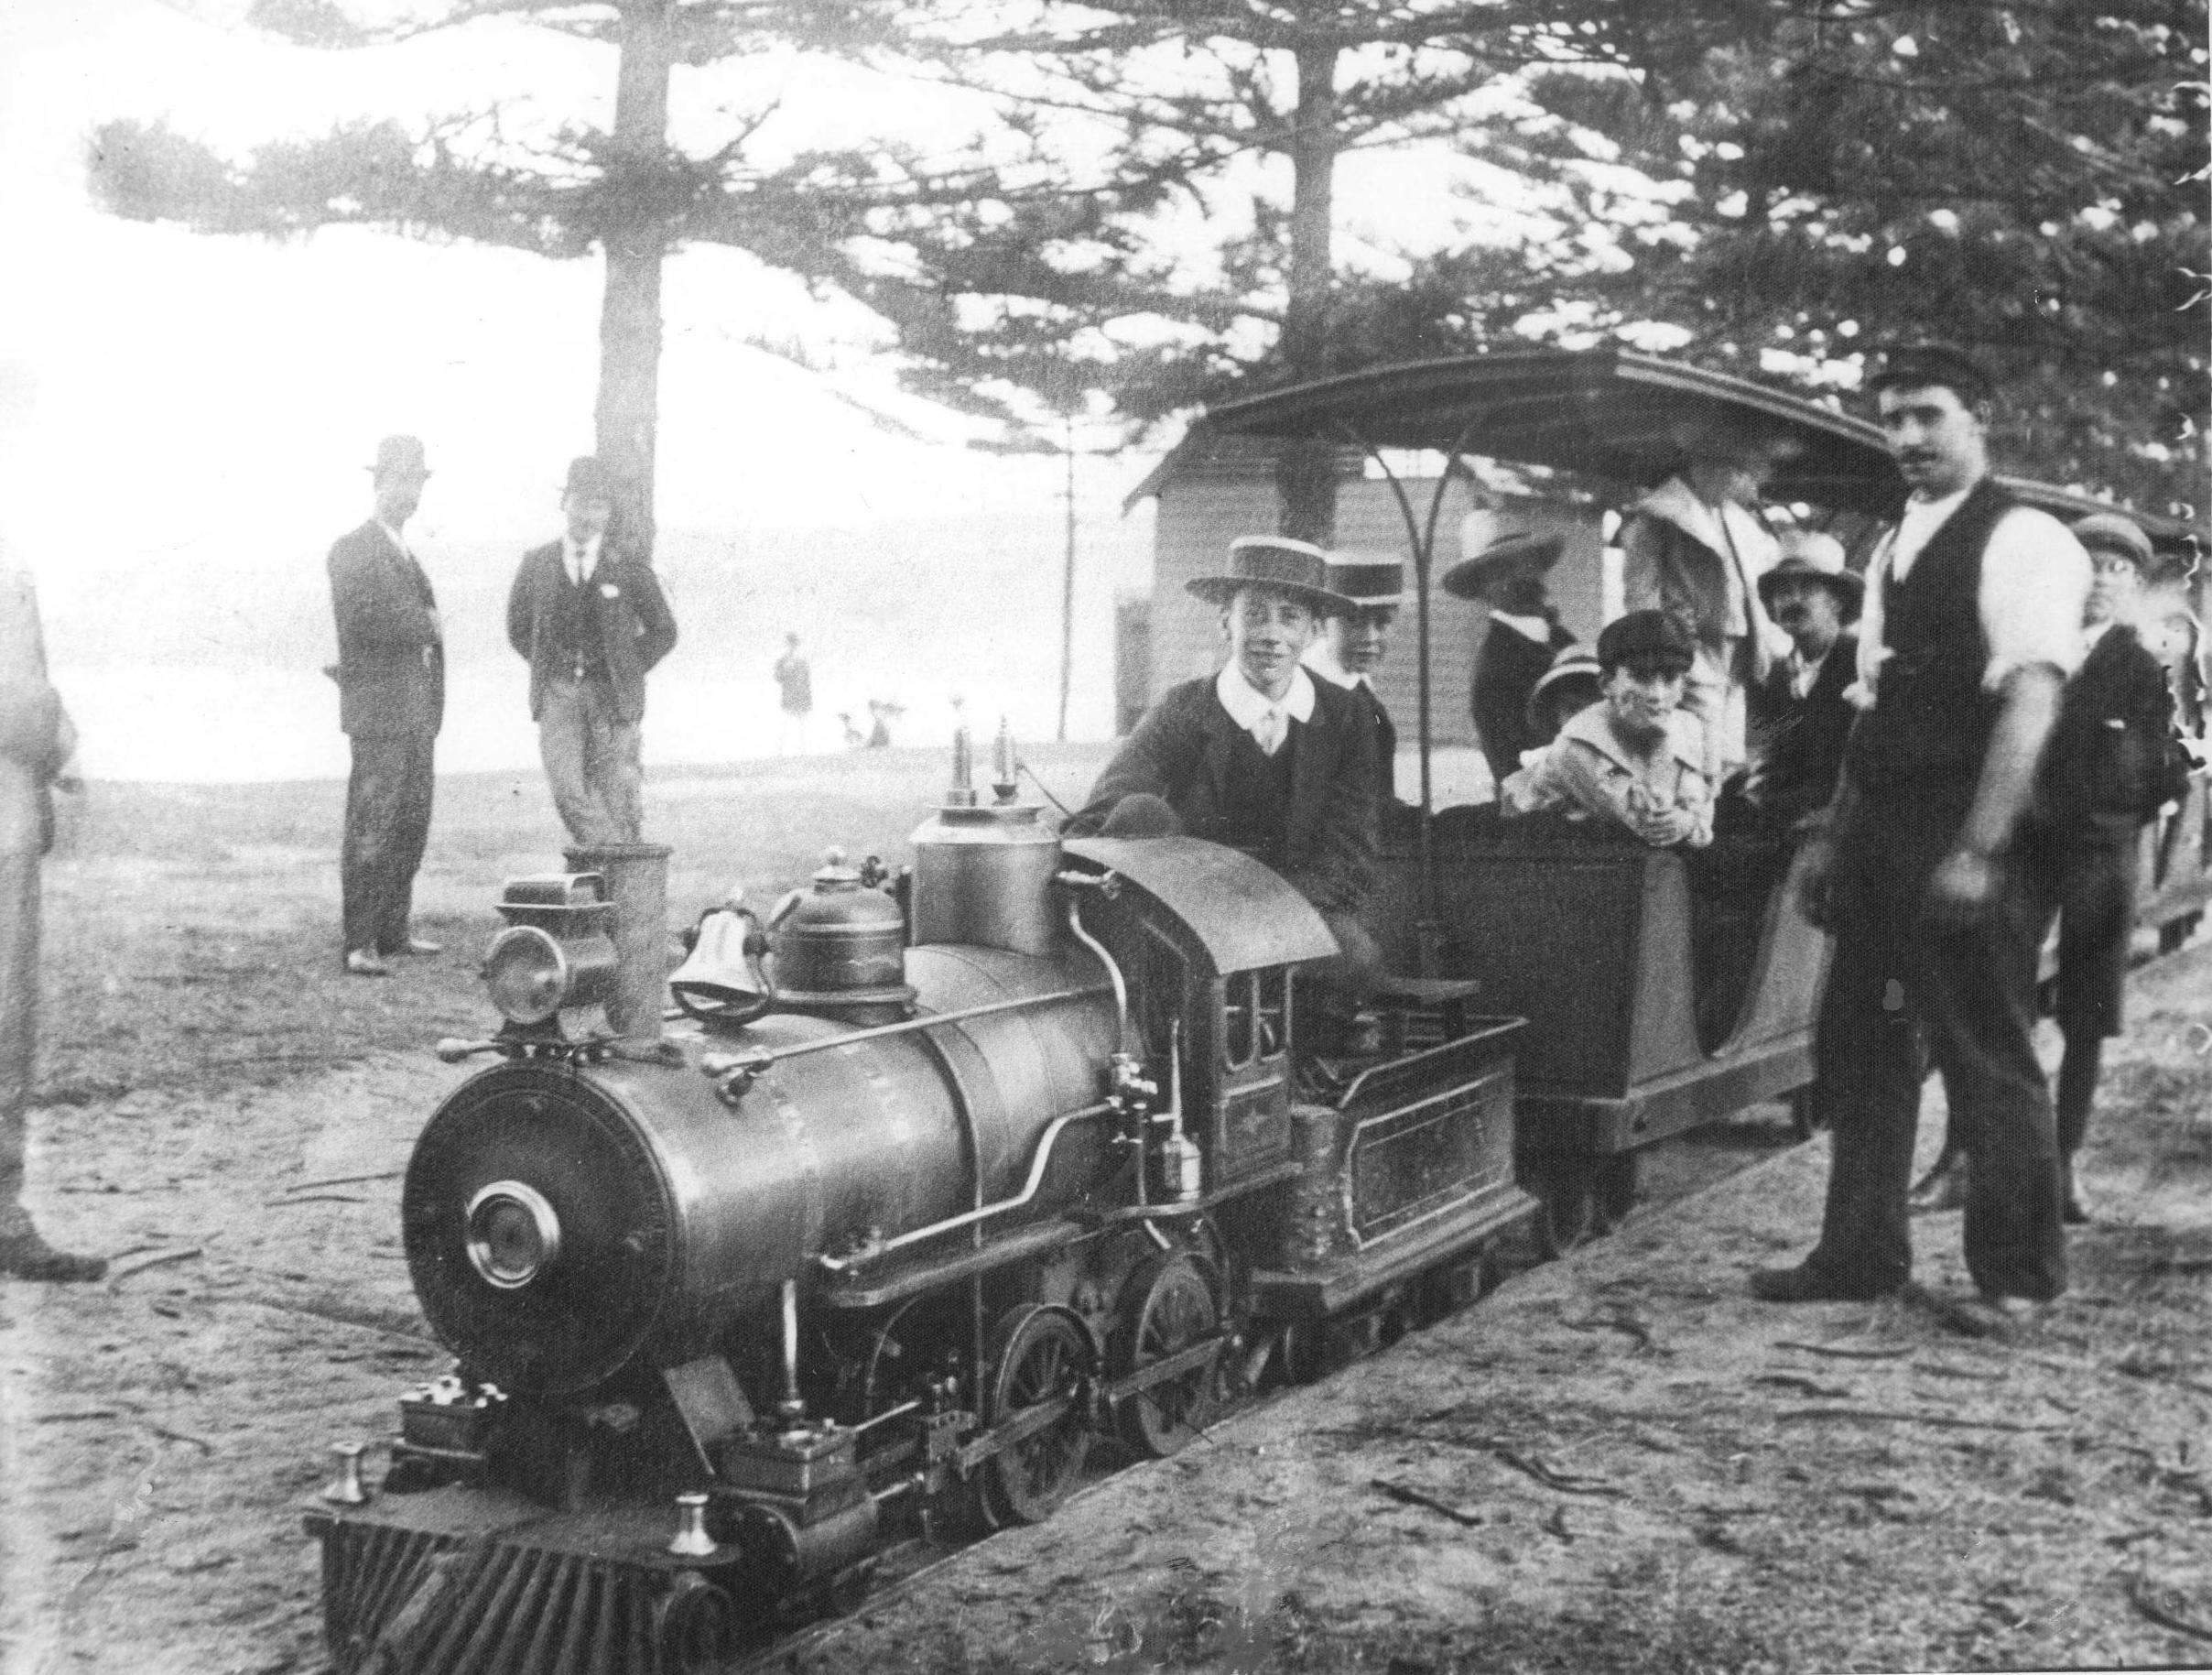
1353,645
2116,759
1261,757
1937,890
391,675
1524,638
1694,549
588,617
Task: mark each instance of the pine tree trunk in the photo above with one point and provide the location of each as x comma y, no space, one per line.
1306,477
635,238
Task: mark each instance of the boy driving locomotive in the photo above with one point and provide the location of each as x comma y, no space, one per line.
1263,758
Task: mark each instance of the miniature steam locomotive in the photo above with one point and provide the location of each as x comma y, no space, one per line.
931,1183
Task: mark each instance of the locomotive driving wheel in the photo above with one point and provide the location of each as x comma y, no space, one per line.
1171,1308
1041,1357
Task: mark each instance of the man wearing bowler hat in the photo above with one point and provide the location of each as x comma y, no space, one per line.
589,618
391,674
1524,638
1261,757
1351,648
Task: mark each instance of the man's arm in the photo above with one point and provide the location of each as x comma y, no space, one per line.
655,622
1965,880
379,616
521,599
1155,758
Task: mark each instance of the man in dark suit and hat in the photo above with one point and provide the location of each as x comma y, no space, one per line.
1260,756
391,676
589,618
1351,648
1523,637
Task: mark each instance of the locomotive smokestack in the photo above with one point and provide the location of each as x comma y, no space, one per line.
634,877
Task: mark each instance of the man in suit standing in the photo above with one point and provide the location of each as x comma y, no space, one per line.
36,741
1260,756
589,618
391,698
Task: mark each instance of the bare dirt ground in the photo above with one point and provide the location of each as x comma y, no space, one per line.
1615,1463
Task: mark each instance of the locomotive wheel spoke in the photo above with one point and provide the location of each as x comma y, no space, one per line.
1043,1362
1174,1308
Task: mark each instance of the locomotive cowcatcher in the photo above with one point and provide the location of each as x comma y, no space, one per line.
930,1182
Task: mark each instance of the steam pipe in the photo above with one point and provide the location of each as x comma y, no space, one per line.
1037,1165
1114,972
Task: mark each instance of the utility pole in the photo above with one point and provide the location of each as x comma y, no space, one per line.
1067,589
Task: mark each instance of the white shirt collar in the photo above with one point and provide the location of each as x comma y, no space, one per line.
1917,525
397,540
1534,628
2093,632
569,552
1322,661
1246,703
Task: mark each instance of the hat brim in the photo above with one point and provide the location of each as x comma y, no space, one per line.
1846,584
1221,589
1466,579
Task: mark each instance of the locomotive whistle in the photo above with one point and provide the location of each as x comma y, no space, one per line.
345,1489
692,1541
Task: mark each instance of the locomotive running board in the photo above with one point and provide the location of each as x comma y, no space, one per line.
1353,1279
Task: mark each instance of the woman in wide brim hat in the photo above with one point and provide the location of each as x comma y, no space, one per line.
1522,552
1296,569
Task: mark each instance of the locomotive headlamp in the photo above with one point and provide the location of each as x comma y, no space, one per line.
555,953
514,1234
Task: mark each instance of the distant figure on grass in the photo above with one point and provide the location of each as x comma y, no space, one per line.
391,675
1631,761
35,743
882,712
794,699
589,618
2115,760
1522,639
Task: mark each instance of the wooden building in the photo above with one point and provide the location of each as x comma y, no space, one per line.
1211,490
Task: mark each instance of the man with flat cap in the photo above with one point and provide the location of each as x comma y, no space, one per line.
1352,646
588,617
1934,884
391,675
1522,639
1260,756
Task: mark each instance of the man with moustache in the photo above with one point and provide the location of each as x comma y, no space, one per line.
1802,708
1260,756
391,675
589,619
1936,890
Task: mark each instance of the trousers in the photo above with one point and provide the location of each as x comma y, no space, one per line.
18,1020
1903,988
593,761
387,822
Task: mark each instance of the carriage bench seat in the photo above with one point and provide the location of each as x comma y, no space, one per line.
1407,1003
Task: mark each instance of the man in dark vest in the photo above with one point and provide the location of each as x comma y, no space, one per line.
1260,756
1937,894
1522,637
589,618
1351,648
391,675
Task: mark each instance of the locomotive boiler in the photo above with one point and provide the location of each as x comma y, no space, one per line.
925,1185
